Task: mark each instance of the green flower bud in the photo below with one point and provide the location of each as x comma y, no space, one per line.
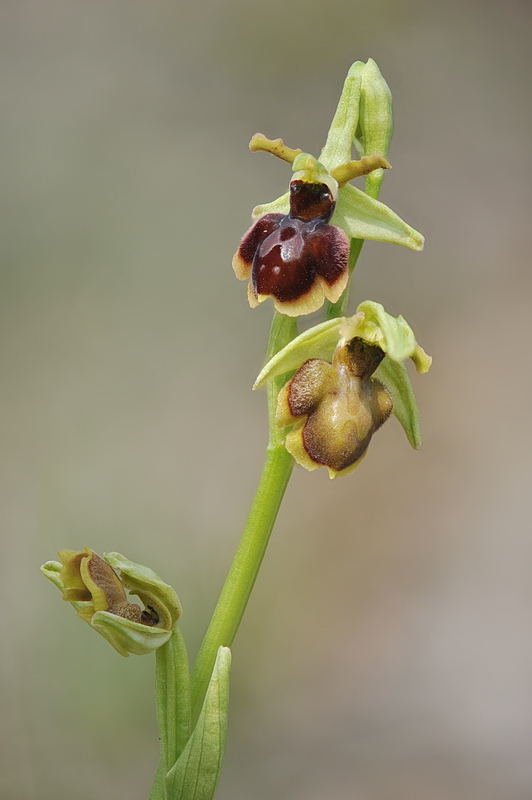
343,128
376,111
98,594
375,124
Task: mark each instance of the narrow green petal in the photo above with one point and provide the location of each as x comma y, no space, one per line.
196,772
341,134
393,375
362,217
279,206
317,342
421,360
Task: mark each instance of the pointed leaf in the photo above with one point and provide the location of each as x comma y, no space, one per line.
195,773
362,217
158,787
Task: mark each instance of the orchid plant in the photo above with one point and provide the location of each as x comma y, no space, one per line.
329,389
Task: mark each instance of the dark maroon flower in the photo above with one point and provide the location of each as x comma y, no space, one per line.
298,259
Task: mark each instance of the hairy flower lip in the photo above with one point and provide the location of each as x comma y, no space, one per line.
335,408
298,259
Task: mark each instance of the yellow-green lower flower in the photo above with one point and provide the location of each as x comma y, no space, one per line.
335,408
350,376
96,587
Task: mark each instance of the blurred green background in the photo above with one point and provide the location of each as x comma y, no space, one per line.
387,650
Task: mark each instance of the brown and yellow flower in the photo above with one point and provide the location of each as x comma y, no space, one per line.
349,376
335,408
96,587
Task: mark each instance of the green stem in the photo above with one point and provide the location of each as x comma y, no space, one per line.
250,553
172,694
338,309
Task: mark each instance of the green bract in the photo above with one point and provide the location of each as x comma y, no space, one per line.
375,326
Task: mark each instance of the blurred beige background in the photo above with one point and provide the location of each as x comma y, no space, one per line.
387,650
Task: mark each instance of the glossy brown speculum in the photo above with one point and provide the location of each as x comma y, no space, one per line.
288,261
298,259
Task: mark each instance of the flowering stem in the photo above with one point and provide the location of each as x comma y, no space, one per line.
338,309
248,558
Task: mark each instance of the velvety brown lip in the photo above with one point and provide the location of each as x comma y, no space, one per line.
286,256
336,407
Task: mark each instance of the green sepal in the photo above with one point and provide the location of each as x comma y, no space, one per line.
127,636
394,377
393,334
371,323
195,774
362,217
338,146
147,585
279,206
318,342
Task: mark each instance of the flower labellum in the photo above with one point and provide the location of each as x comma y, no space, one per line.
298,259
336,408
